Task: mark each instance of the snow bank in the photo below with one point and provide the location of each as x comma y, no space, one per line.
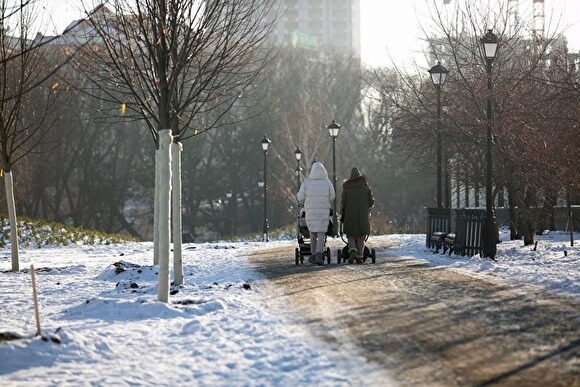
104,325
554,265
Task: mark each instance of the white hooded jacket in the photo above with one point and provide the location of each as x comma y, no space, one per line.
317,194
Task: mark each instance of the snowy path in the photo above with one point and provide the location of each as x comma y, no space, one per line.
431,325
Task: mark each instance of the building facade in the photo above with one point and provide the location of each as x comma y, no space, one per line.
315,24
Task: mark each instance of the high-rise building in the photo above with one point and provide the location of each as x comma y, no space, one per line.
319,23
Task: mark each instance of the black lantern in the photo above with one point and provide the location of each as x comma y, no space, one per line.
438,74
298,156
333,129
490,43
265,144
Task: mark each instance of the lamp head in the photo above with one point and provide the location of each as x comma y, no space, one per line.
438,74
490,43
333,129
298,154
265,143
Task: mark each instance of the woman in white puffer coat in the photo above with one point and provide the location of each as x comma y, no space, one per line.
317,194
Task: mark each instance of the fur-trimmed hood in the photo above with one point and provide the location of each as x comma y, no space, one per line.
356,182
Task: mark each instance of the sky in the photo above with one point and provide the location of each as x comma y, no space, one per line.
390,29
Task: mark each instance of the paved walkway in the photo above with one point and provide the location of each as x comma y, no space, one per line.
431,326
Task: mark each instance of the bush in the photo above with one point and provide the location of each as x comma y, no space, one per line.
40,233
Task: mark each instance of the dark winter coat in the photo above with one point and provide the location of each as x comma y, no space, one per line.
357,200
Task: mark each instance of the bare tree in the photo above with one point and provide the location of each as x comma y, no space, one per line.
530,102
27,98
169,63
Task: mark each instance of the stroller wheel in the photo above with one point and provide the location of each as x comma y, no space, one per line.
328,255
297,255
338,255
373,256
366,254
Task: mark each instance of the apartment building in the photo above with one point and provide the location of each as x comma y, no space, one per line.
314,24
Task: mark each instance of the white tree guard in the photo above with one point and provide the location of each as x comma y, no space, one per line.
164,220
9,185
176,149
156,211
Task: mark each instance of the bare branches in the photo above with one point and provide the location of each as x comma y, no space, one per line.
171,61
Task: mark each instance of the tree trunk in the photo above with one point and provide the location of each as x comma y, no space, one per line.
164,219
512,215
176,149
528,230
528,221
9,185
156,210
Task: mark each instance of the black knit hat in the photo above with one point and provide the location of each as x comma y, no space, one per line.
354,173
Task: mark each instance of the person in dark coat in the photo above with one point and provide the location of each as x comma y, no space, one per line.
357,200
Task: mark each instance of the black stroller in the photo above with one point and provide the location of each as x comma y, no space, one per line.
303,236
342,254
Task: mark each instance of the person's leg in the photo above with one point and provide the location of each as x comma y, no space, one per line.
320,248
313,241
313,246
360,245
352,249
360,248
320,244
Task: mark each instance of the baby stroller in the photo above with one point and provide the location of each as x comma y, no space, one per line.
303,236
342,254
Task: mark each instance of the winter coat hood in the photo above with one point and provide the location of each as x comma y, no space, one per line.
318,172
354,173
356,182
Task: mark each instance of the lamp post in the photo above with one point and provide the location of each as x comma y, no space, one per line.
333,129
298,156
265,143
490,44
438,76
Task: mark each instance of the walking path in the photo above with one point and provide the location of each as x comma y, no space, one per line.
430,326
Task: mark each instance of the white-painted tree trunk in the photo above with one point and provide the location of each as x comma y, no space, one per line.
9,185
156,211
176,149
164,220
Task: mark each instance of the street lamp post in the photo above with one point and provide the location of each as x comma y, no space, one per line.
333,129
438,76
298,156
490,44
265,143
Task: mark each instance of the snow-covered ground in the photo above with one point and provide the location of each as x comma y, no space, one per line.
554,266
217,329
112,330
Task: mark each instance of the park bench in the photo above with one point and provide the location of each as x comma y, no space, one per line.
466,238
438,225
